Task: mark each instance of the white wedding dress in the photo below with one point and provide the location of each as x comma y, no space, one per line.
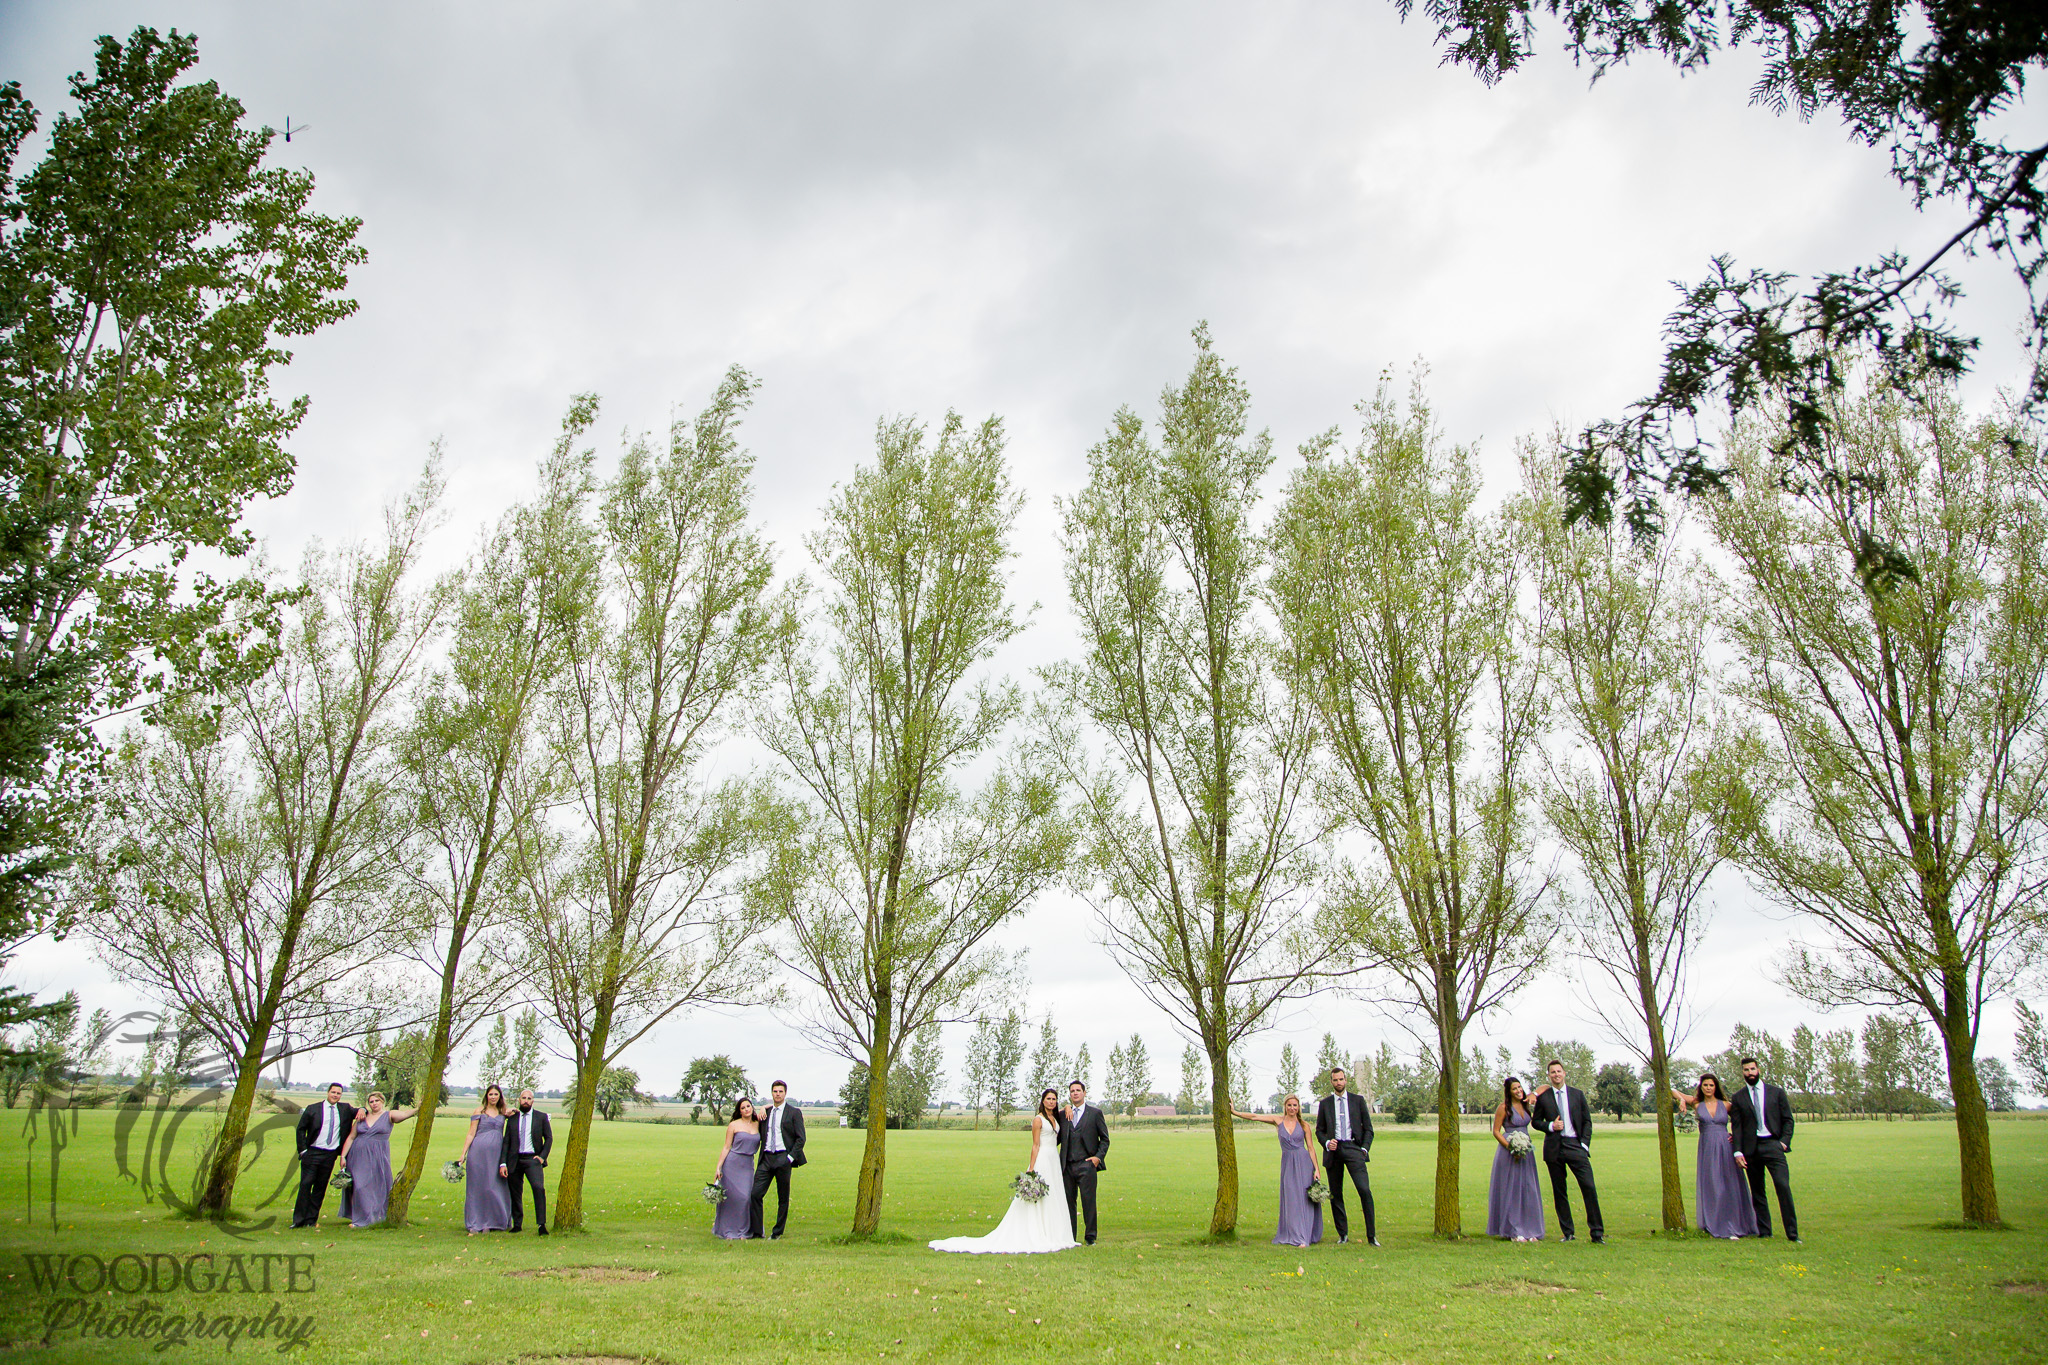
1043,1226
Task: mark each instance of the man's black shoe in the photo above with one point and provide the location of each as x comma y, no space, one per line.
1342,1240
1571,1237
1373,1241
1599,1240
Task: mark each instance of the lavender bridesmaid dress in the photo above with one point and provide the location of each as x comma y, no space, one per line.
1301,1219
486,1195
737,1175
1514,1198
1720,1190
369,1167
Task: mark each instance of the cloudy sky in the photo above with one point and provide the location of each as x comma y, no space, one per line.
1020,210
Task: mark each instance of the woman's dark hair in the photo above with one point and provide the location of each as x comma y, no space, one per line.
1507,1093
1700,1085
755,1114
1055,1102
484,1105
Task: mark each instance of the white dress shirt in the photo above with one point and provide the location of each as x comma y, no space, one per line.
774,1127
1564,1109
1343,1118
330,1126
1756,1098
526,1133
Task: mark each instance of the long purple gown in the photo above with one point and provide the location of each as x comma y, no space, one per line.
1514,1197
369,1166
486,1195
1301,1218
1720,1190
737,1175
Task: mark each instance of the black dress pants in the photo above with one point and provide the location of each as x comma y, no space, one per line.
1081,1188
1770,1156
775,1167
524,1171
1573,1156
316,1168
1350,1157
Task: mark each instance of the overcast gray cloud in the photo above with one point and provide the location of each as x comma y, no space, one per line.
997,208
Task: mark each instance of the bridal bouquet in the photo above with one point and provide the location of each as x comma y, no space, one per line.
1029,1187
1519,1145
1317,1191
342,1180
452,1171
713,1193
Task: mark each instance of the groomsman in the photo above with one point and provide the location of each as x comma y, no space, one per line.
1567,1123
1084,1151
1760,1126
782,1151
1344,1127
322,1129
523,1159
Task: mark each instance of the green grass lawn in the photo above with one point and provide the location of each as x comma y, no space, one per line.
1879,1277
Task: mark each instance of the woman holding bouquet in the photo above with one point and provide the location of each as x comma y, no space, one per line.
1514,1197
1037,1218
1301,1218
1720,1190
735,1172
486,1195
366,1156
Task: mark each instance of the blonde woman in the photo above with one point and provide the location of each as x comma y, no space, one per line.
366,1156
1301,1218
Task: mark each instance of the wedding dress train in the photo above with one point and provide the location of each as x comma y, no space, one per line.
1028,1227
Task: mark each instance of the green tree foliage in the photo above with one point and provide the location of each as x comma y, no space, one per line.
1399,601
1579,1066
2001,1096
1328,1056
1902,803
920,1070
1614,1091
1928,81
1191,1098
714,1083
1188,755
151,269
1288,1078
1006,1054
896,871
617,1090
523,1060
2030,1048
1050,1067
497,1053
403,1067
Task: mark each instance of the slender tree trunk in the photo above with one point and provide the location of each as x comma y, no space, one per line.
219,1193
1660,1081
566,1208
1223,1218
1973,1121
427,1092
1450,1035
874,1156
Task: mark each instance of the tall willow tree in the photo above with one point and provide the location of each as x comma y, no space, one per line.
1905,799
636,902
896,872
1642,743
1202,847
478,772
251,878
1402,605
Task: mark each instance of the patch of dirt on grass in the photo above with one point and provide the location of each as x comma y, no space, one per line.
2024,1287
1519,1287
588,1274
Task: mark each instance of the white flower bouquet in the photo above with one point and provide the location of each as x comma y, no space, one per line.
713,1193
342,1180
1519,1144
1318,1191
1029,1187
452,1171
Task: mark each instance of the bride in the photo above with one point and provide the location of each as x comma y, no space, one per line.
1045,1225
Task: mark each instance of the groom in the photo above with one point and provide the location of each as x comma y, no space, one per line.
523,1160
1084,1151
782,1151
1344,1127
1561,1112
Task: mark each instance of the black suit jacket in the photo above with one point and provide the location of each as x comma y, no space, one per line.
1085,1137
1545,1109
1361,1122
1742,1117
792,1137
309,1124
543,1139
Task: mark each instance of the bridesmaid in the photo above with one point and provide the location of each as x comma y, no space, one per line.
486,1196
735,1171
1720,1191
1514,1196
366,1156
1301,1218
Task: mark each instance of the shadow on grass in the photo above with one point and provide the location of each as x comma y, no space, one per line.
1215,1239
1965,1225
870,1239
